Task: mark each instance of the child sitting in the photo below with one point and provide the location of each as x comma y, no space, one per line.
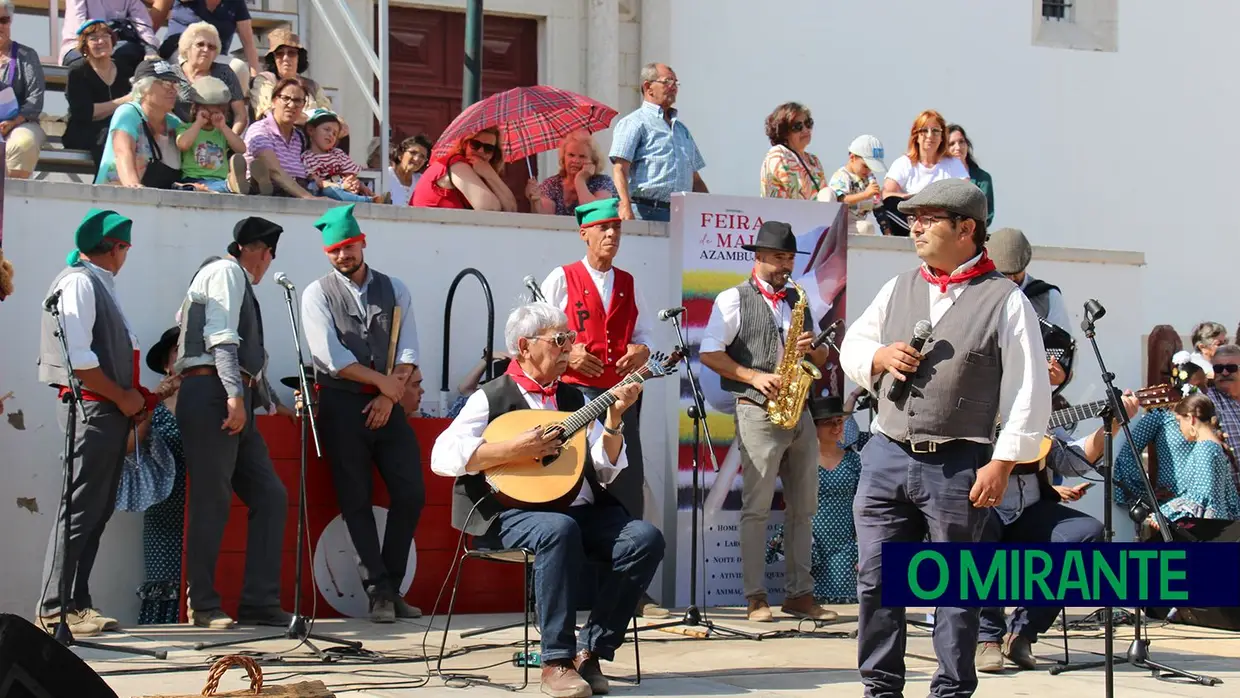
206,140
331,171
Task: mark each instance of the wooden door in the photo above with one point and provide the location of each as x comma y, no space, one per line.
427,72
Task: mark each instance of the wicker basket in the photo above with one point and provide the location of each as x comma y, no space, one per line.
304,689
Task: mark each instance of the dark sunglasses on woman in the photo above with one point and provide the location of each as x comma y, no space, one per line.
488,148
798,126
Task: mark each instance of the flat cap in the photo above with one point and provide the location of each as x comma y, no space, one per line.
1010,250
958,196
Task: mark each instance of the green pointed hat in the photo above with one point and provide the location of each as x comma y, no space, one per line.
598,212
99,225
339,228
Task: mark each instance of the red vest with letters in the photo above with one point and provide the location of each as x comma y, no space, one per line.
606,334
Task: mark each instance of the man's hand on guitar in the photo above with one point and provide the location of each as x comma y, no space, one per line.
584,362
634,357
1132,404
536,443
625,397
897,359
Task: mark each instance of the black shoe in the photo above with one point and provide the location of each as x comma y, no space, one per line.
273,616
1020,651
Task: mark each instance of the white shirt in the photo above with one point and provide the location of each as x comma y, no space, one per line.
555,290
1024,388
77,308
457,444
725,318
220,288
400,193
913,177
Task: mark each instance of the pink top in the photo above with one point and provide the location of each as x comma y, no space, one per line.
428,193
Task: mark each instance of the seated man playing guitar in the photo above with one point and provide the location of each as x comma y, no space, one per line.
593,526
1032,511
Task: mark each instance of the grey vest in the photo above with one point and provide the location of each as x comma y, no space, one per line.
109,338
473,508
366,337
1039,294
955,392
251,355
759,344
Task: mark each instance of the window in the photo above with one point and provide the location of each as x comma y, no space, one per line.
1058,10
1078,25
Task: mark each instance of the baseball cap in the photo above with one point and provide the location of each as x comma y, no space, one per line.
319,116
158,69
870,149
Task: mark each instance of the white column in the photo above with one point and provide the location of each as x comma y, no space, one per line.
603,57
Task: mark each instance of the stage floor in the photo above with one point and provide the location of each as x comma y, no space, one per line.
672,664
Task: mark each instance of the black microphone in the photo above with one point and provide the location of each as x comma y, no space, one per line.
826,335
50,304
536,294
669,313
1093,311
921,332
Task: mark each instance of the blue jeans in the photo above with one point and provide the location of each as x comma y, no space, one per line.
628,549
337,193
1042,522
216,185
642,212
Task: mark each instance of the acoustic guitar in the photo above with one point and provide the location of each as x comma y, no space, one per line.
553,481
1150,398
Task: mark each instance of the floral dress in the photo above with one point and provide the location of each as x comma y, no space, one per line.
834,559
785,175
553,188
1197,474
163,523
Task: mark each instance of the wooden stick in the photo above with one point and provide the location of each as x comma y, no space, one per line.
391,356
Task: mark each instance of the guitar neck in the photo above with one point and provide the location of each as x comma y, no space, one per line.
1076,413
595,408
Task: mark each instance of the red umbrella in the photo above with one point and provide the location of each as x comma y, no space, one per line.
530,120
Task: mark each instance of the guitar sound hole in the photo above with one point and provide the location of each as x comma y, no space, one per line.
548,460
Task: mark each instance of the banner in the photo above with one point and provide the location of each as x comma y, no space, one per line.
713,229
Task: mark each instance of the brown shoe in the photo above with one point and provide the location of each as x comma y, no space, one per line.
760,610
804,607
988,658
591,672
105,623
561,680
648,608
78,626
1020,651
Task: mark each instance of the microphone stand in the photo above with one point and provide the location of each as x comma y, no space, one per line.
73,398
298,629
694,616
1138,651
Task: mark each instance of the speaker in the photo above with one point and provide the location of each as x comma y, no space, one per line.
1206,531
34,665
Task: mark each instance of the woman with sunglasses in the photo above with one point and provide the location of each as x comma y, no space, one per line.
789,171
471,176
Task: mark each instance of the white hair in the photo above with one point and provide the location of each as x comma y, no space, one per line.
191,34
528,320
141,87
8,6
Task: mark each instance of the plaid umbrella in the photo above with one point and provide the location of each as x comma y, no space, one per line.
530,120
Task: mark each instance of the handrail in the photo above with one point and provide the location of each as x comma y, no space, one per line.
489,371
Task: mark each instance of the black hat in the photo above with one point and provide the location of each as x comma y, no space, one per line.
157,356
253,229
294,382
158,69
827,406
774,235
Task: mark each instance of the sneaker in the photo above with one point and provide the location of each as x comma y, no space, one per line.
105,623
760,610
1020,651
405,610
215,619
238,183
78,626
587,667
261,176
272,616
648,608
561,680
989,658
804,607
382,610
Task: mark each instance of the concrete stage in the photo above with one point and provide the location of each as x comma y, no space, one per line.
671,664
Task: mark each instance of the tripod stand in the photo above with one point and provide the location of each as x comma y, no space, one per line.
297,629
1138,651
694,617
73,399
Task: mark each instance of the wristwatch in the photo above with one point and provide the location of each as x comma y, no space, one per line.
618,431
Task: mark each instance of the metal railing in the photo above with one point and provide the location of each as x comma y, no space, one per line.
489,372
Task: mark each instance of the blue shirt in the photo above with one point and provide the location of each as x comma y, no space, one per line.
224,18
129,118
1066,458
664,157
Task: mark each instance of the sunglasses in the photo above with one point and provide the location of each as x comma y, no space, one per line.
5,20
488,148
928,132
798,126
1222,369
560,339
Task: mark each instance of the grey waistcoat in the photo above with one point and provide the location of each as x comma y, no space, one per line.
366,337
251,355
759,344
1042,300
955,392
109,339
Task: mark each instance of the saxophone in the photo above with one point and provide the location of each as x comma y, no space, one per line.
795,373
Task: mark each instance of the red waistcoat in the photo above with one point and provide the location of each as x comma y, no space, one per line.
606,334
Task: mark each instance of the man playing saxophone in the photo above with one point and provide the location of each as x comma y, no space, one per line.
758,334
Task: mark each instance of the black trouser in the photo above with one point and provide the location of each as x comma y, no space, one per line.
351,447
628,487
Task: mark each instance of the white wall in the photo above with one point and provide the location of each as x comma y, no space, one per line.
425,248
1125,150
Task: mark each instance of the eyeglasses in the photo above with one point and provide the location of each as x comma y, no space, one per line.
5,20
670,82
928,132
928,220
1221,369
292,101
560,339
488,148
798,126
206,44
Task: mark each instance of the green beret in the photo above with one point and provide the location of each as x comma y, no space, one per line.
598,212
339,228
95,228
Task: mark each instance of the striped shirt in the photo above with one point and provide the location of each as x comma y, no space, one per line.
264,134
664,157
333,163
1228,411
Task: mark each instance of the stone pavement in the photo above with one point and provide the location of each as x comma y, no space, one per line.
813,662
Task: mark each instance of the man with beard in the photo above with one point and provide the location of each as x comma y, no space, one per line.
352,316
744,342
222,361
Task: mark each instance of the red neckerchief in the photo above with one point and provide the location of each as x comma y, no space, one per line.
517,374
773,298
942,280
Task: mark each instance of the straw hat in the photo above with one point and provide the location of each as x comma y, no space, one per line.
280,38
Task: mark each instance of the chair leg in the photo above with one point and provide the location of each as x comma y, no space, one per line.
637,652
1063,624
526,602
443,642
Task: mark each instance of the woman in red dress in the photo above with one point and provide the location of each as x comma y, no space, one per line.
471,176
